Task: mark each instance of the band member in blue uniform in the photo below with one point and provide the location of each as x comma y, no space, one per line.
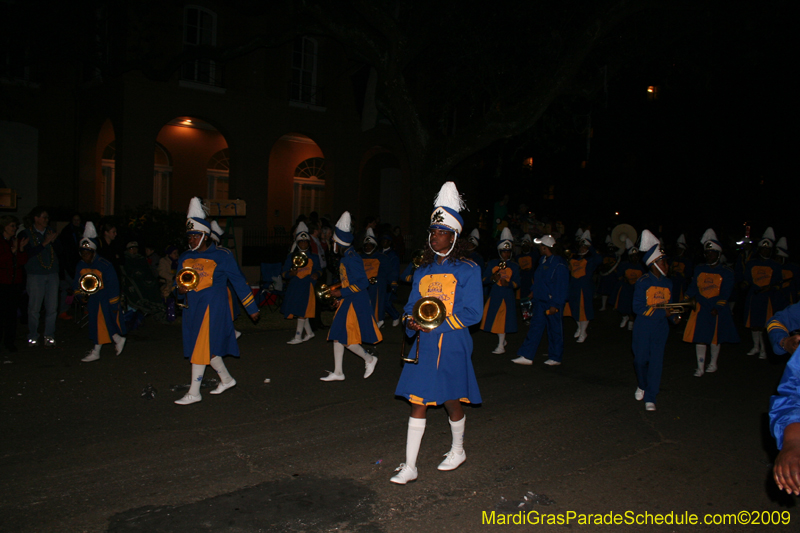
762,275
608,272
790,276
105,326
629,270
784,413
444,373
216,236
680,270
473,241
550,290
500,311
581,284
376,267
299,300
392,274
651,329
527,261
711,321
208,333
354,321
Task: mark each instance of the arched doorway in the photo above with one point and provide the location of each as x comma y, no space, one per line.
297,180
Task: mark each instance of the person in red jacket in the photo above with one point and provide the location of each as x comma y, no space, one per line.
12,278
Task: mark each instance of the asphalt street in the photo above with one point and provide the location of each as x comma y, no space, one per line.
83,450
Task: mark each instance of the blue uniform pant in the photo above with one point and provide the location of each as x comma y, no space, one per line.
555,332
649,340
389,305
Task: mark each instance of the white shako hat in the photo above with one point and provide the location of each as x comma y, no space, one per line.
196,218
651,246
682,241
447,206
89,240
710,241
343,232
578,234
782,248
216,231
527,238
768,239
474,237
370,237
547,240
301,232
506,241
586,237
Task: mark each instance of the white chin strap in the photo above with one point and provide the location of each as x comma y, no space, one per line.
200,242
455,238
659,269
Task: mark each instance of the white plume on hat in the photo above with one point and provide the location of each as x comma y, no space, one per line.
768,239
370,237
449,196
216,231
681,240
89,236
651,246
782,248
344,222
579,233
587,236
709,240
342,233
196,209
475,234
527,238
506,240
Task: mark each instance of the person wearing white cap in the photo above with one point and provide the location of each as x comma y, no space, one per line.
629,271
105,326
549,295
207,328
444,373
299,300
582,265
376,266
680,267
651,329
608,272
500,311
527,261
711,321
790,275
473,241
762,276
354,321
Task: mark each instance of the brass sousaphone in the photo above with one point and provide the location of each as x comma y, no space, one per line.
622,232
429,313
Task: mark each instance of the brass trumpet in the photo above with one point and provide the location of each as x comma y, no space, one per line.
429,313
501,265
323,293
685,306
416,259
89,284
188,278
299,259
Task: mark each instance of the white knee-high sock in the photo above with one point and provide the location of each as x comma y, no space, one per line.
714,354
338,356
307,326
197,379
584,325
700,349
300,323
577,331
359,351
501,339
219,365
457,429
416,429
756,339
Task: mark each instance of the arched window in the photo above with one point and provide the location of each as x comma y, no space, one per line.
309,186
217,172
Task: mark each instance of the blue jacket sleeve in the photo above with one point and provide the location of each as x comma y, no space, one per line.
408,274
468,307
781,324
239,284
785,406
356,275
559,284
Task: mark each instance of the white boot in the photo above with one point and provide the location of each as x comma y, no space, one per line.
338,356
712,366
756,342
700,350
577,331
624,321
584,325
762,352
307,329
225,379
119,343
93,354
501,344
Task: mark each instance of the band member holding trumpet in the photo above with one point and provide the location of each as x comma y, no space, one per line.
549,294
354,321
711,321
650,331
301,269
444,373
96,279
203,274
502,275
762,276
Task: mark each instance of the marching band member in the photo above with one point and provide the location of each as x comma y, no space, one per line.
500,312
392,273
784,413
216,236
629,270
762,275
790,275
103,305
444,374
550,289
650,331
208,333
375,267
711,321
354,321
608,272
473,241
679,268
527,261
581,285
299,300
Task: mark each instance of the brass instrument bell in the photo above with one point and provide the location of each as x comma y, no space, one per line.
429,313
89,284
299,259
188,278
323,292
416,259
